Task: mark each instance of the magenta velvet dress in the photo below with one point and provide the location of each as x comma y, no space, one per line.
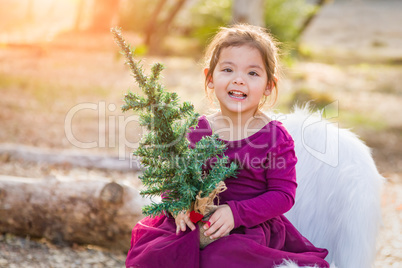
261,193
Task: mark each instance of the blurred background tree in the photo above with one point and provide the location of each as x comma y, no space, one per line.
105,14
156,19
251,12
166,26
152,18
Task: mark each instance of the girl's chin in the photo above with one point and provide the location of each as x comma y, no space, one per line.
235,110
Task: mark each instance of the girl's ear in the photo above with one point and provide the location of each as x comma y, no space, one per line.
210,83
270,86
268,90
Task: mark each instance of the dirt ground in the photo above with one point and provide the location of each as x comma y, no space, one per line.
67,95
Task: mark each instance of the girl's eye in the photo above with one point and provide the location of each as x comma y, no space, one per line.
228,70
252,73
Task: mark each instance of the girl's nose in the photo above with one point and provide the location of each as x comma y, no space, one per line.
238,81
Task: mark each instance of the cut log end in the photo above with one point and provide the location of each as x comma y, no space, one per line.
112,193
70,211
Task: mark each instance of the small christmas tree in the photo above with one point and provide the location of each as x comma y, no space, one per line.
173,170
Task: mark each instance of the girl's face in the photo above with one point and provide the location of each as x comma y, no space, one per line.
239,80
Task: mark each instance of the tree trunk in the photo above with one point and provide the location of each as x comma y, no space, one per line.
105,15
155,38
70,211
320,4
149,30
78,18
30,11
251,12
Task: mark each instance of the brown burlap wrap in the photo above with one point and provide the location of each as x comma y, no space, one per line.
206,207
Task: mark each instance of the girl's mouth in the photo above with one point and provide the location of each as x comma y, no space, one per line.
237,95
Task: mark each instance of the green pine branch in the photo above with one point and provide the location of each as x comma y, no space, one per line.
173,170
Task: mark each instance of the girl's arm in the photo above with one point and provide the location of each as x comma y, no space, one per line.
280,194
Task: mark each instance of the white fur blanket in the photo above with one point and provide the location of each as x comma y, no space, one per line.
338,196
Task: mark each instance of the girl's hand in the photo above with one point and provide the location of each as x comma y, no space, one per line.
222,222
183,219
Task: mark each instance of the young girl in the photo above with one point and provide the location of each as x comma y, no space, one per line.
249,222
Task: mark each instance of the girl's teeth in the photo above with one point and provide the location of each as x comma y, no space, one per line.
237,95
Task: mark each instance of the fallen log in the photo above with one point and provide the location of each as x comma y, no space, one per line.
25,153
66,211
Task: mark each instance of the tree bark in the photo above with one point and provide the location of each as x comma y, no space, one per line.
70,211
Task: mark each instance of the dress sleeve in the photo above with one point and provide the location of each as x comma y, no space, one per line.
281,189
196,133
